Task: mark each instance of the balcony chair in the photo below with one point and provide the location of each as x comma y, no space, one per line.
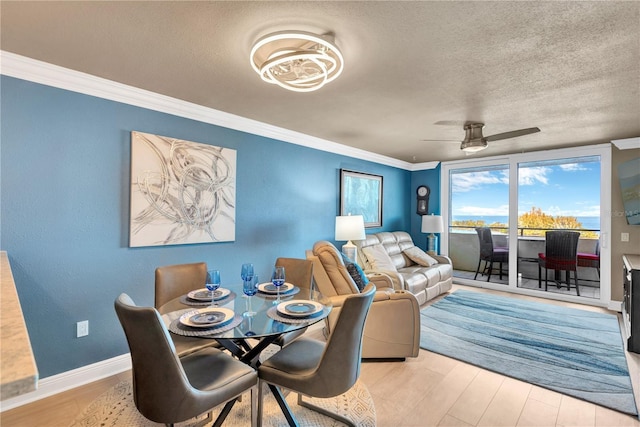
319,369
171,282
299,272
392,330
590,260
168,389
561,250
489,254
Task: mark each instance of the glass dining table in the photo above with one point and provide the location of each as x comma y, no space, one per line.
245,328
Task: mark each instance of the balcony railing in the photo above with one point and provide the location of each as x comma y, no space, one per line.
521,230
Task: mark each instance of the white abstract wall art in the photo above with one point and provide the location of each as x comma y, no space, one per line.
181,192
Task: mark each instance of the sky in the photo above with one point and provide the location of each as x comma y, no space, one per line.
559,189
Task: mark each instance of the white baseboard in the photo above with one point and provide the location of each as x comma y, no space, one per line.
615,306
70,379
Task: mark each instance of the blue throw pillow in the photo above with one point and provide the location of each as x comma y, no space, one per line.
355,272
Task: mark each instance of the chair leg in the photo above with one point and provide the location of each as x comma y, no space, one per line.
546,280
323,411
254,407
539,277
477,269
490,264
575,275
260,403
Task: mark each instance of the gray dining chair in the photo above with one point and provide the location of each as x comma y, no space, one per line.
317,369
298,271
168,389
173,281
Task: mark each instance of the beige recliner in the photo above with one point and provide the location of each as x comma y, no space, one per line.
392,330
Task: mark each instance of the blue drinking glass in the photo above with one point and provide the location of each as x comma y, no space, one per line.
277,279
247,271
212,284
250,287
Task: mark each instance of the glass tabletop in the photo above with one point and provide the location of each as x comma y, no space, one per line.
268,319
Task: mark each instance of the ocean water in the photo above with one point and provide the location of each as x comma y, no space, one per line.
588,222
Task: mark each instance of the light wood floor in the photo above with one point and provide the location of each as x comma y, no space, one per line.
430,390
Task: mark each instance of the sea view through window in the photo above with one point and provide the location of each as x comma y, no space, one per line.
552,194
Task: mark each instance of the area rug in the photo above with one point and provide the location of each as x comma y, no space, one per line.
115,408
575,352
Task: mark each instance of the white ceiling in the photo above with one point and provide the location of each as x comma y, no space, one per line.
570,68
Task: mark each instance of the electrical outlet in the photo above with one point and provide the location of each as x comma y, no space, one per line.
82,329
624,237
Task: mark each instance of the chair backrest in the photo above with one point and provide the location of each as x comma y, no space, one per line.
486,242
159,381
329,271
561,248
175,280
339,367
298,271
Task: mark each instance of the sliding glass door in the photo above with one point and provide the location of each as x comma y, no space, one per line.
558,194
518,198
479,221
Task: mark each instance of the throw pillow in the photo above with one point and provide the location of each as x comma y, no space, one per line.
419,256
357,275
379,258
355,272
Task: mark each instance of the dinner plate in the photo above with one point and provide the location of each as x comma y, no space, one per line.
299,308
205,294
207,317
270,288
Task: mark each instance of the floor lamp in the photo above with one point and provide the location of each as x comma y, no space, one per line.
350,227
432,224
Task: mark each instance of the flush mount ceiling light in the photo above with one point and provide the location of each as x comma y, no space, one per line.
297,60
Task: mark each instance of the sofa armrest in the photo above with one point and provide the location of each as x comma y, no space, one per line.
442,259
393,278
381,280
382,294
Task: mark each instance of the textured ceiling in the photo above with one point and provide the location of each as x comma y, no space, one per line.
570,68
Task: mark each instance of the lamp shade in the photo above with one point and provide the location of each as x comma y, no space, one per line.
432,224
350,227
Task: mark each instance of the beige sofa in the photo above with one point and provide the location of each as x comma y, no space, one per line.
392,329
425,281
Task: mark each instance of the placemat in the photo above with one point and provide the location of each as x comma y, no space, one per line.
275,315
188,301
178,328
292,292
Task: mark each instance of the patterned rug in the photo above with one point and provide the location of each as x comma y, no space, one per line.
115,408
576,352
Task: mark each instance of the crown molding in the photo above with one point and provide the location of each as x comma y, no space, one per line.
25,68
627,143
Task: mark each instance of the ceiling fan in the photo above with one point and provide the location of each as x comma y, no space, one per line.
474,141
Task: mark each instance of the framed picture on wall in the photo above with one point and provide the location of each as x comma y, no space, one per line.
182,192
361,194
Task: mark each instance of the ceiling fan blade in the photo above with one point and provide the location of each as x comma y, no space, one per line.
441,140
512,134
459,123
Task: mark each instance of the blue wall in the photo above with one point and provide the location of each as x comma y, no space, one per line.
65,165
430,178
